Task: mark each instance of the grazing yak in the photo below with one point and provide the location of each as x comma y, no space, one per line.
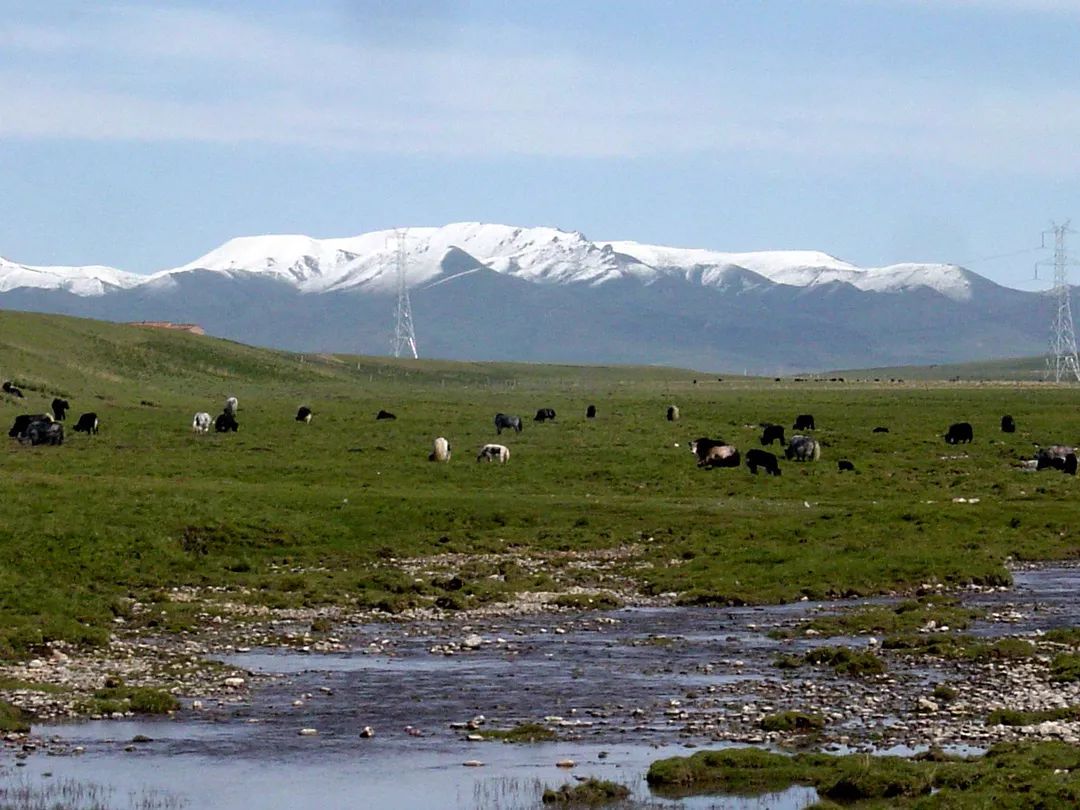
772,433
506,422
803,448
843,465
959,432
88,423
760,458
231,405
714,453
440,450
544,414
673,413
303,414
9,388
1056,457
24,421
44,433
201,423
494,452
804,421
384,415
226,422
1008,425
590,412
60,408
880,429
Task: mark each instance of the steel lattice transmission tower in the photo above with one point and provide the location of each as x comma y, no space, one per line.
1062,361
404,335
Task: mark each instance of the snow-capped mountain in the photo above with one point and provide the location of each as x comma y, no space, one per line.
542,255
485,291
91,280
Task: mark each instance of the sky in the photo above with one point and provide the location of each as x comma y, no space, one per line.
142,135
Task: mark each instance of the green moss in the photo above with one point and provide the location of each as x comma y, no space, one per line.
592,601
521,733
138,699
588,793
12,718
793,721
846,661
1064,635
1011,717
906,617
1010,775
1065,668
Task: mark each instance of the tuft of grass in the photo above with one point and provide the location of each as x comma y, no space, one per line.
137,699
906,617
1011,717
846,661
592,601
793,721
589,793
521,733
1065,668
1064,635
13,719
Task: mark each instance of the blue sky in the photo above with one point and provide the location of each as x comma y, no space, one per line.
142,135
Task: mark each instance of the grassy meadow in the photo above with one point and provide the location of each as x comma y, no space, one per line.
283,513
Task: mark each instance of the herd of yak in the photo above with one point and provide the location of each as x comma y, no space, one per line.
47,429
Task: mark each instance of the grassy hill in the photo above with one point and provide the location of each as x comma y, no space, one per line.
283,513
1025,369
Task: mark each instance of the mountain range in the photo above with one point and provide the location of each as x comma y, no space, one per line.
497,292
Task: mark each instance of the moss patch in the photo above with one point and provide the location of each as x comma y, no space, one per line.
522,733
590,792
1009,775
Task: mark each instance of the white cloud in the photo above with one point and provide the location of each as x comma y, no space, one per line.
176,74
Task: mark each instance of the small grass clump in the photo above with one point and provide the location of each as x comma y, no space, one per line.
793,721
588,793
943,693
137,699
1009,774
906,617
1069,636
588,601
521,733
846,661
13,719
961,647
1012,717
1065,668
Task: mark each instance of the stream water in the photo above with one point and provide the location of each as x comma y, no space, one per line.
612,685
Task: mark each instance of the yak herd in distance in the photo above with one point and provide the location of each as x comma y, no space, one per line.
47,429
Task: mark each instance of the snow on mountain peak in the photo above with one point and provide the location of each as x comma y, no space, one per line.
542,255
91,280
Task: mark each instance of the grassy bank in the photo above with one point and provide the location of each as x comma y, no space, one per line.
283,513
1009,775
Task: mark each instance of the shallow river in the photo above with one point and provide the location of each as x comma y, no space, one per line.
611,684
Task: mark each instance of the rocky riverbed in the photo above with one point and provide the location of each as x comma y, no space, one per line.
650,675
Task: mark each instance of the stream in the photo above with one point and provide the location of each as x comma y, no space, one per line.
621,689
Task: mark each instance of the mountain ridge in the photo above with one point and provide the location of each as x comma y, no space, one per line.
498,292
367,262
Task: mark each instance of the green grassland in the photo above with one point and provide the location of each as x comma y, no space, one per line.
285,513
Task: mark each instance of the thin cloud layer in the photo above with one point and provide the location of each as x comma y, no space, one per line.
188,74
